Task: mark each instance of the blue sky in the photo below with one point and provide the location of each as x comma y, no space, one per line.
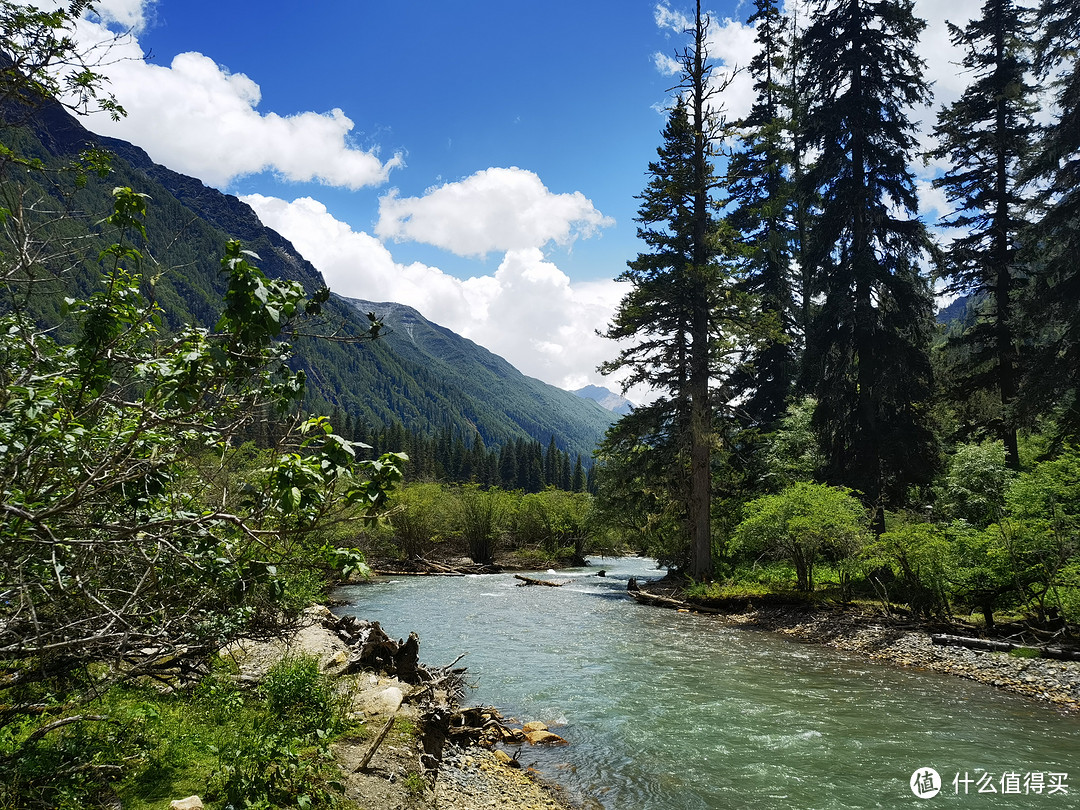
564,89
477,160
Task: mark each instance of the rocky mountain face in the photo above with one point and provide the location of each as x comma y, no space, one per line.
608,400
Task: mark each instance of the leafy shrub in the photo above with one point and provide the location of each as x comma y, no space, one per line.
802,524
910,564
419,517
973,488
271,770
300,696
480,517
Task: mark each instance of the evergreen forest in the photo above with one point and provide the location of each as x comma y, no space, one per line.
811,414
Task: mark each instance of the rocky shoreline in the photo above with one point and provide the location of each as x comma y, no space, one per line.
435,764
1054,682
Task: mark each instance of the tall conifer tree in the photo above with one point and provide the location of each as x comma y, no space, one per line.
867,350
684,312
986,136
762,195
1053,375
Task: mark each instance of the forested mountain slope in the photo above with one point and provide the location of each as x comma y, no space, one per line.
491,393
421,375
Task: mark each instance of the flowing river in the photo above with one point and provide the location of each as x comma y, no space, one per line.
676,711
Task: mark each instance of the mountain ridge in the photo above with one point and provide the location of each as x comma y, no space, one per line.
479,372
606,399
379,382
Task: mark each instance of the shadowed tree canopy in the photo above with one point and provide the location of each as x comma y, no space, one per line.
867,349
759,182
1052,373
986,136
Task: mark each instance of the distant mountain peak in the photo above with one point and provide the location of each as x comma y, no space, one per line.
606,399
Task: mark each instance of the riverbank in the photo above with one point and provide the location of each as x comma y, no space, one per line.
1054,682
423,762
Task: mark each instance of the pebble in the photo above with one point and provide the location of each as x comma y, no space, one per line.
476,778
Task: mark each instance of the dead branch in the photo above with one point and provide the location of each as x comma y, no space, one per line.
530,581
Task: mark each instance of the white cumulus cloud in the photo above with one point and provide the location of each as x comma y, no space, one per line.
497,209
131,15
528,311
197,118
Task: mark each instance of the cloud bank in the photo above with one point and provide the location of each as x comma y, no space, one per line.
528,311
196,117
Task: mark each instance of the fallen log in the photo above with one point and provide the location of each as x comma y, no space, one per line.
656,600
389,572
530,581
992,645
458,570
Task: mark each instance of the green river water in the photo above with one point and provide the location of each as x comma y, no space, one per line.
674,710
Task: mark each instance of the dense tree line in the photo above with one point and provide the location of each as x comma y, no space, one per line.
826,366
449,456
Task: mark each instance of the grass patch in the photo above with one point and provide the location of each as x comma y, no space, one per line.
725,590
264,748
1025,652
415,784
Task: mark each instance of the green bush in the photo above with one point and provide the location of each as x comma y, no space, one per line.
419,517
260,771
973,488
911,564
803,524
300,696
480,518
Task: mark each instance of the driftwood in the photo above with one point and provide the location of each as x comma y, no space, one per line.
376,743
530,581
1059,653
372,649
430,568
483,725
391,572
656,600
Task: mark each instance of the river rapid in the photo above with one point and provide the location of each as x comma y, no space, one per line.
667,710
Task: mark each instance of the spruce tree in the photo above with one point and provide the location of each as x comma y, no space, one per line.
577,483
551,464
684,313
986,136
762,195
867,350
1052,377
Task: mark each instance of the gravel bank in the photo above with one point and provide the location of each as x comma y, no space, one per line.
1044,679
477,779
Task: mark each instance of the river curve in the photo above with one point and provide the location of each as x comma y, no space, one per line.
667,710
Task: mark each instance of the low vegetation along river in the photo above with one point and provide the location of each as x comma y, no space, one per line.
675,710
